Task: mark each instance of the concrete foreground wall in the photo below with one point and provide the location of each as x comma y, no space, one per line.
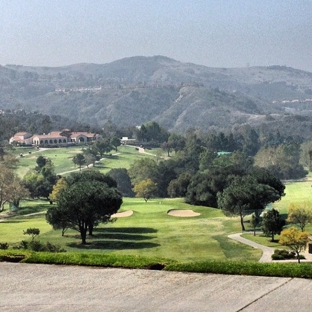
34,287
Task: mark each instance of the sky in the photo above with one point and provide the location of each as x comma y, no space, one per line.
215,33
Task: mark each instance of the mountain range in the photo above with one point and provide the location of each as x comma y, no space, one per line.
177,95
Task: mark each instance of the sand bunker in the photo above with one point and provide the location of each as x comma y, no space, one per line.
123,214
183,213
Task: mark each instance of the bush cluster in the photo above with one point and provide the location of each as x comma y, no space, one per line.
282,254
35,245
4,246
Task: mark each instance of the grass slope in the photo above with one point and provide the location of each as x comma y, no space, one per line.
62,159
149,232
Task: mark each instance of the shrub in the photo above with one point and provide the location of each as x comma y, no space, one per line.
54,248
33,232
36,246
4,246
24,244
282,254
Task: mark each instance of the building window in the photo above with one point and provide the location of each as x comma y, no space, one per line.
51,141
41,142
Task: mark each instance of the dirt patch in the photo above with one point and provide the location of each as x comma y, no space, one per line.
182,213
123,214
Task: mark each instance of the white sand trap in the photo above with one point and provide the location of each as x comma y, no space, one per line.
182,213
123,214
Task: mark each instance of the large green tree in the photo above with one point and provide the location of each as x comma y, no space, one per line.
86,201
272,223
244,195
121,176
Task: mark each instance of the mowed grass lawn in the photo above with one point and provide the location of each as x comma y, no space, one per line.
62,159
149,232
295,192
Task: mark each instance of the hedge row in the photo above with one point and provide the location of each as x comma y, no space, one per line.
303,270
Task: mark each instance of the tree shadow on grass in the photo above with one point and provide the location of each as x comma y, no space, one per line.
112,245
118,238
132,230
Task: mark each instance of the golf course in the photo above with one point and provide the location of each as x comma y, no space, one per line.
157,229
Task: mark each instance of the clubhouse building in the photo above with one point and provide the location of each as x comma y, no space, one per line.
56,138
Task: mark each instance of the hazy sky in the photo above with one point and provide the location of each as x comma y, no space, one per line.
216,33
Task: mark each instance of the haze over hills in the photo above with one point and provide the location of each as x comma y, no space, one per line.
177,95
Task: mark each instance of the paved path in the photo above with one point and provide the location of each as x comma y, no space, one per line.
267,251
37,287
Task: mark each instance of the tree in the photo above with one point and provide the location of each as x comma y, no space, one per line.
89,158
177,142
41,179
11,188
33,232
272,223
142,169
246,194
115,142
41,162
83,204
152,132
166,146
60,185
18,192
254,221
79,160
300,214
282,160
121,176
10,161
178,187
146,189
58,219
205,159
102,146
294,239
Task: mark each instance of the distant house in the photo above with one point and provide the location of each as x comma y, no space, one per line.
21,138
59,138
84,137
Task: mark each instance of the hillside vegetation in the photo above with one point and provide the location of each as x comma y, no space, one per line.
178,95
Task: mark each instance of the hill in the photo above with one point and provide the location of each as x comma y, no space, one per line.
177,95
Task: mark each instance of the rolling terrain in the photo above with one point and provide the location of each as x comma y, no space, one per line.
177,95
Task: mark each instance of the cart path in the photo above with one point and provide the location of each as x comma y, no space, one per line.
267,251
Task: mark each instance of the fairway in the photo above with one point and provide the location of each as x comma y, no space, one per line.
62,159
149,232
296,192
